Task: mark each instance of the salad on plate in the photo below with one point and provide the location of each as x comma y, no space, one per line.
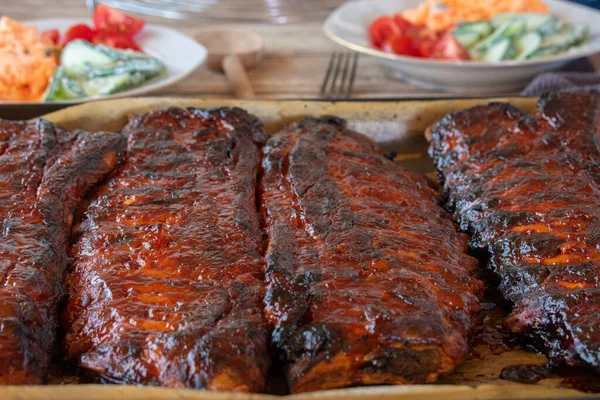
85,61
488,31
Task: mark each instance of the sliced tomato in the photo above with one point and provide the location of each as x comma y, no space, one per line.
448,48
107,19
116,40
382,29
400,44
425,47
79,31
52,34
402,22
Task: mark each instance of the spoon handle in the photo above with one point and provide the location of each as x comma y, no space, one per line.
238,78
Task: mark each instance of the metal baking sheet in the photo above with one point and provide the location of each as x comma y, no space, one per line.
398,127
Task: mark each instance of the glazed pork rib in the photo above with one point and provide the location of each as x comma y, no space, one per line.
368,280
45,173
168,279
528,188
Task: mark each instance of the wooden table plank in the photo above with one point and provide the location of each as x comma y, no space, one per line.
297,56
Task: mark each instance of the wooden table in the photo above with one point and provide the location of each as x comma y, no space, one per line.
297,56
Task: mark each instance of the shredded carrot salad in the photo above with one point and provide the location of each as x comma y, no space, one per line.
442,15
27,62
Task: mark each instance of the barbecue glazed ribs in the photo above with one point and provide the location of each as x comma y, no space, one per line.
168,279
44,174
527,187
368,280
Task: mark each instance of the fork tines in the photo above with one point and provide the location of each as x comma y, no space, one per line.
339,78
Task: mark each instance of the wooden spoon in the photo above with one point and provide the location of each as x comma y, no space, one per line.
233,51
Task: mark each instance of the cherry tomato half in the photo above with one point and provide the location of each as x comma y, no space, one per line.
107,19
382,29
425,47
116,40
448,48
400,44
52,34
401,22
79,31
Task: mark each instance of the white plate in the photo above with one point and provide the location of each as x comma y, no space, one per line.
348,25
180,54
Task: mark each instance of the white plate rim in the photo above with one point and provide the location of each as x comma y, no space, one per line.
566,56
161,82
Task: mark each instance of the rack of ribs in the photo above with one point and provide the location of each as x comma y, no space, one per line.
368,279
45,173
527,187
167,285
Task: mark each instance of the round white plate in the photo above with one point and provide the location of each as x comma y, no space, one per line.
348,25
180,54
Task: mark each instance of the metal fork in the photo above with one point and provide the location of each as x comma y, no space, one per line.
339,78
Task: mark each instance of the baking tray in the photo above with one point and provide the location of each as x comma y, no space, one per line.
398,127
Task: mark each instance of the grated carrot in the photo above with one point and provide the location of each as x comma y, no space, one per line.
442,15
27,61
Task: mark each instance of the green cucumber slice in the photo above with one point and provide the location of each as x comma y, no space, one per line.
112,84
79,55
508,29
527,44
465,38
545,52
568,36
550,27
53,86
148,67
533,21
502,50
121,55
481,28
70,89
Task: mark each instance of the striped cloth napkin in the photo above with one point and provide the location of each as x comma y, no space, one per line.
578,76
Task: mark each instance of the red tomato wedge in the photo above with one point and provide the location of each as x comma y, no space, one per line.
107,19
448,48
52,34
382,29
79,31
400,44
425,47
401,22
116,40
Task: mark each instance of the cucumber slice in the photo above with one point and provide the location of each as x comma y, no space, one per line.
537,22
582,32
502,50
121,55
545,52
481,28
112,84
63,88
509,29
54,86
568,36
79,55
515,28
106,85
465,38
550,27
527,44
149,67
70,89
